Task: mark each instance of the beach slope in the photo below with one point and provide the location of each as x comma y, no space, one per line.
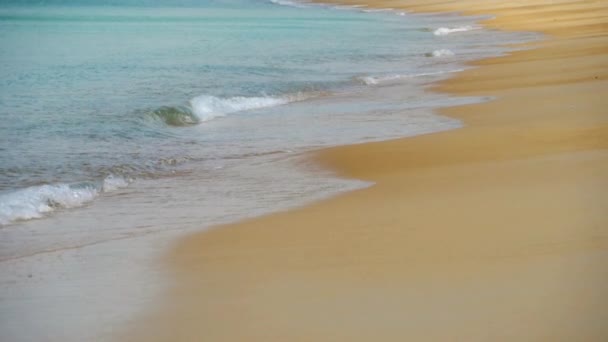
496,231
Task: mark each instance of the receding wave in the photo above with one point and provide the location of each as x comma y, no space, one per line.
298,4
206,107
444,31
376,80
38,201
374,10
440,53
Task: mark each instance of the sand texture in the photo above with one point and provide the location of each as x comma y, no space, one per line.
494,232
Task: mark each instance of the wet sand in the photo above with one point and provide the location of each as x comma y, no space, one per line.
496,231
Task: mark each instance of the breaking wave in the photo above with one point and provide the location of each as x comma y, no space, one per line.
444,31
37,201
298,4
375,80
440,53
175,116
206,107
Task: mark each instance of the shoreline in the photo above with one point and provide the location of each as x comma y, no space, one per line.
496,230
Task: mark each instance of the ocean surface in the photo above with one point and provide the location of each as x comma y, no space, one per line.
125,124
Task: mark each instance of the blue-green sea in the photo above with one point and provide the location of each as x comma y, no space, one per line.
125,121
94,96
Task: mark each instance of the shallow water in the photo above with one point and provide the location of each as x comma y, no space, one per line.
124,127
93,98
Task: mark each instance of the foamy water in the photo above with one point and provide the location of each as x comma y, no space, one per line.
442,53
127,109
444,31
36,201
210,107
126,127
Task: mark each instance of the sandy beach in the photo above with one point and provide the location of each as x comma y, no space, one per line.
495,231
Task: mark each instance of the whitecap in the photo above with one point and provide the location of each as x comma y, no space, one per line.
444,31
112,183
442,53
375,10
36,201
207,107
375,80
298,4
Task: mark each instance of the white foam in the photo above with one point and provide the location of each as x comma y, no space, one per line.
36,201
375,80
444,31
368,80
298,4
374,10
112,183
348,7
442,53
207,107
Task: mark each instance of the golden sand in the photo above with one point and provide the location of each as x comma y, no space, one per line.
496,231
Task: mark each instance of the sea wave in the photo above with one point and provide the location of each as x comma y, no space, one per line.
375,80
298,4
348,7
206,107
175,116
441,53
444,31
375,10
37,201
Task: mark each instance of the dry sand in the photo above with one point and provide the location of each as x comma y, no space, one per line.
496,231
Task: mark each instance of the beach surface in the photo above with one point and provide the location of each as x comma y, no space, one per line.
495,231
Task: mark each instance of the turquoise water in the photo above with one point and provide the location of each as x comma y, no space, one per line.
94,97
189,100
126,124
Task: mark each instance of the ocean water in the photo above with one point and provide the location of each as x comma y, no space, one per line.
125,124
